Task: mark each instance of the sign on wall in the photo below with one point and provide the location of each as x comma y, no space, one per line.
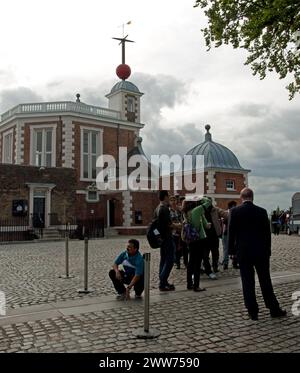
19,207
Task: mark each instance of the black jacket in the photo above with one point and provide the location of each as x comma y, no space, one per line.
249,234
162,214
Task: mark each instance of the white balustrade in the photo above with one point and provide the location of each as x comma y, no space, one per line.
60,107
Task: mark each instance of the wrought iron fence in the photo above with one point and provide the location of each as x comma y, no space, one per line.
80,228
22,229
16,229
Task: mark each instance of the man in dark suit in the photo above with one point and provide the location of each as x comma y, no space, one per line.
249,238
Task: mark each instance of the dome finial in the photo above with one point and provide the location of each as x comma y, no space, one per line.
208,134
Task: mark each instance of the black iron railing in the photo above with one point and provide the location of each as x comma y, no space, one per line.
29,228
91,228
15,229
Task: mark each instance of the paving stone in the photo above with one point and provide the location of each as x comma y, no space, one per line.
214,323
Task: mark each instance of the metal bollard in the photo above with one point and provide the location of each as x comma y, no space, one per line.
86,268
147,333
67,275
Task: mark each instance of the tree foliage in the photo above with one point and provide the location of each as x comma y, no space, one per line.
268,29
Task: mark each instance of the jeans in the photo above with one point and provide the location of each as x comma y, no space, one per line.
167,259
225,249
126,279
193,269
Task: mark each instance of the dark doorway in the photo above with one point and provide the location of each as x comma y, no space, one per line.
111,213
38,218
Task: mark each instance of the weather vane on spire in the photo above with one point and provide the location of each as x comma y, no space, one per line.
123,71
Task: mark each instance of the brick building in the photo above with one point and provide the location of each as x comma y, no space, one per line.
48,154
224,177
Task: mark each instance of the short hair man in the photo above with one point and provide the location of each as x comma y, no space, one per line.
167,249
133,273
249,237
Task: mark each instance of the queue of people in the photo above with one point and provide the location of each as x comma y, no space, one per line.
191,229
279,221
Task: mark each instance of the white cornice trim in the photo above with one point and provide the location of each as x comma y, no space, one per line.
6,127
41,185
231,171
89,118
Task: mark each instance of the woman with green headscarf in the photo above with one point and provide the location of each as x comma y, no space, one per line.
194,213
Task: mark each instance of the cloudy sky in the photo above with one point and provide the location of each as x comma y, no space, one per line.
50,50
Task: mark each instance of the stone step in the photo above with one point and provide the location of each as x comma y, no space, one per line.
49,234
110,232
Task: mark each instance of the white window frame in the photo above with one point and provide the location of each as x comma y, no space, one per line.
92,200
44,128
99,149
228,188
9,133
130,104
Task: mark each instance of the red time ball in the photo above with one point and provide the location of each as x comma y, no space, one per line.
123,71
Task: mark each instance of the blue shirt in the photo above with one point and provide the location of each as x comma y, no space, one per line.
133,265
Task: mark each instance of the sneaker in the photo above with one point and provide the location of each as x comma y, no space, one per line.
165,288
212,276
138,296
199,289
278,313
171,286
253,316
121,296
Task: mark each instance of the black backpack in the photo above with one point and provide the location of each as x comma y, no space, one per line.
153,235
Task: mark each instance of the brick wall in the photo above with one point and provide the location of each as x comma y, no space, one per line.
145,202
13,179
89,210
223,202
220,182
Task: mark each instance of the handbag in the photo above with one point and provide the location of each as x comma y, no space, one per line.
189,233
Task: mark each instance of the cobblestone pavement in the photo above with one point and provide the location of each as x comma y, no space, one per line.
29,273
213,321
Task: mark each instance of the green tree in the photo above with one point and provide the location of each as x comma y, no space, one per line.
268,29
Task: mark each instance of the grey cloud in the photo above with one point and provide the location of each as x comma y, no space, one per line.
54,83
160,91
89,95
271,145
159,140
271,192
95,96
250,110
163,91
7,76
13,97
